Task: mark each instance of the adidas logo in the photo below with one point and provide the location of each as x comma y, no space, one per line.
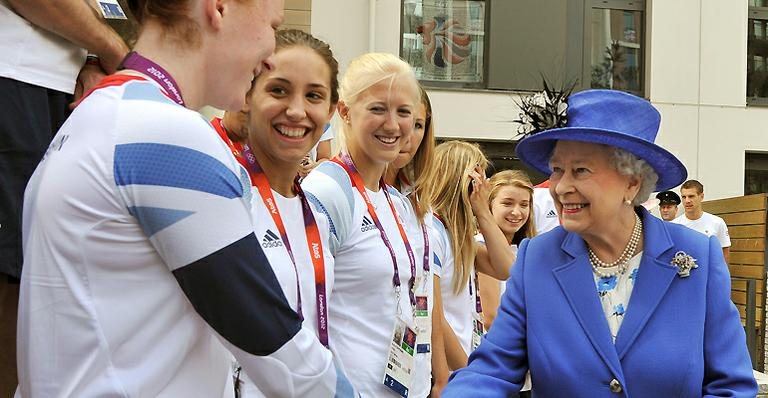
271,240
551,214
367,225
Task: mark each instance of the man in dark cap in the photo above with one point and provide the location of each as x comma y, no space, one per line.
668,202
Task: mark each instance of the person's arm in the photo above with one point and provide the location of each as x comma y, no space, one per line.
727,366
323,151
440,369
497,367
88,77
727,255
78,22
725,240
490,292
454,353
498,258
209,246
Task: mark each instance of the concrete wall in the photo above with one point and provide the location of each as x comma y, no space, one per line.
696,76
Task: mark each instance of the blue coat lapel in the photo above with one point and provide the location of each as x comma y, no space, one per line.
578,285
653,279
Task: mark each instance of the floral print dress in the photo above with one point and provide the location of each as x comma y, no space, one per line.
615,291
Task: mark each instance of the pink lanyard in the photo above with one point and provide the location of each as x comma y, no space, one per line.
155,72
346,162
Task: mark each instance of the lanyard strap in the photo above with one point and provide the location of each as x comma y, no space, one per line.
314,242
155,72
345,161
235,147
478,304
426,258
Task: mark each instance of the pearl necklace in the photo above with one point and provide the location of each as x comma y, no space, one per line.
620,265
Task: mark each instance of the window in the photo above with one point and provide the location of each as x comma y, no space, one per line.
757,52
594,43
615,51
755,173
444,41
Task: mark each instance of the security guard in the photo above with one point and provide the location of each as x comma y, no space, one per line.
668,202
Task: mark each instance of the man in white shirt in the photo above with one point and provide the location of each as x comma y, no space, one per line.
692,193
44,47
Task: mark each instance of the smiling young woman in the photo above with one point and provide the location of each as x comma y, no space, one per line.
286,112
382,259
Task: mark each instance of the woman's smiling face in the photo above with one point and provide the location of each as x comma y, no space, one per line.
589,192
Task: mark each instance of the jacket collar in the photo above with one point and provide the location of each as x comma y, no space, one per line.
577,283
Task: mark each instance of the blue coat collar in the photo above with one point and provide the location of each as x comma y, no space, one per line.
654,278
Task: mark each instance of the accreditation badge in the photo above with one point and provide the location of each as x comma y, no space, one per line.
110,9
397,374
478,329
423,320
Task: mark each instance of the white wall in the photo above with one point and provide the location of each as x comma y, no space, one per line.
696,77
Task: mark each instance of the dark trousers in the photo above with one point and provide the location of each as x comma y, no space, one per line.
29,117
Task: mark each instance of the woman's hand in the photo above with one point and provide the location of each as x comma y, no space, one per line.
481,191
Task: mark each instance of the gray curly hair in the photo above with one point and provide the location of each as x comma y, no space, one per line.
627,164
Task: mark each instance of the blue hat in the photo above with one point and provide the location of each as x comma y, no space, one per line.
612,118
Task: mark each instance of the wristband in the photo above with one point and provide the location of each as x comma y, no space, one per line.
93,60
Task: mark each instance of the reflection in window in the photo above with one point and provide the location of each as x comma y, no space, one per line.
444,39
616,56
757,51
755,173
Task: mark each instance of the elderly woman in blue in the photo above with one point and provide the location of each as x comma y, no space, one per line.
615,302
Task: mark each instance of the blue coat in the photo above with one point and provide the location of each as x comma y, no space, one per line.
680,337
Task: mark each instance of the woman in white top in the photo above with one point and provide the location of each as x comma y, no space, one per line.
406,174
511,203
457,166
286,112
376,238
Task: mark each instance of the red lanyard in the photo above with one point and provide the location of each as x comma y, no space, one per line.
314,242
235,147
346,162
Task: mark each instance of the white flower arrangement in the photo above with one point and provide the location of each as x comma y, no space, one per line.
684,263
544,110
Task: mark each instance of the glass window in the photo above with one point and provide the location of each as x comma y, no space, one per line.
757,52
755,173
444,40
512,44
616,56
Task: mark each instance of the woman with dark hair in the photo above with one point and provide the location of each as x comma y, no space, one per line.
615,302
141,260
286,112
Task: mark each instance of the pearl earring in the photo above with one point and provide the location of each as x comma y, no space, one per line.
627,202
